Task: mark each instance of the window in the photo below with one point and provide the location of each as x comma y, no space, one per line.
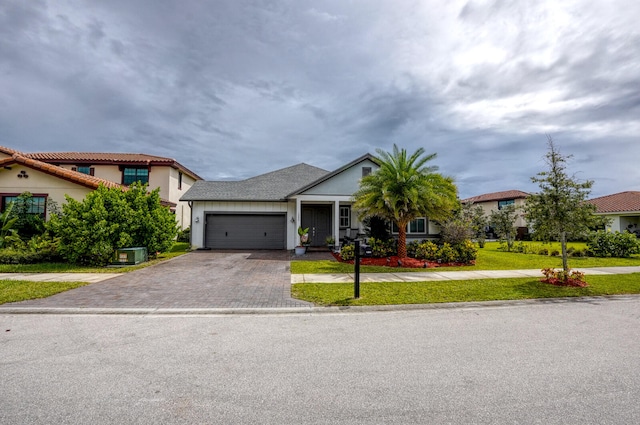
419,225
179,181
84,170
37,204
132,175
345,217
502,204
366,171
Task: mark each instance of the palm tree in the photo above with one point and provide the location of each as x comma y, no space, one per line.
403,189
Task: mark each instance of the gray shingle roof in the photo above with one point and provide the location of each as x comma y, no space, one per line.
273,186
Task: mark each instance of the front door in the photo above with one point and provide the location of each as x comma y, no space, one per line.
318,219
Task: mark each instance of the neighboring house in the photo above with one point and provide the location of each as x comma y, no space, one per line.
622,209
264,212
497,200
51,175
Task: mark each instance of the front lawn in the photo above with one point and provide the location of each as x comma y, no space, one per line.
177,249
20,290
489,258
389,293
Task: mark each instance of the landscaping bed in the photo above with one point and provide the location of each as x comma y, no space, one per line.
395,261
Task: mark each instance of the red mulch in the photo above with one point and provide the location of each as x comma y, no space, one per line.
394,261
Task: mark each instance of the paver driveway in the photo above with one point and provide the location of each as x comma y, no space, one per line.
200,279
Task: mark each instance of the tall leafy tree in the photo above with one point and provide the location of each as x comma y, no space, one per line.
403,189
107,219
559,211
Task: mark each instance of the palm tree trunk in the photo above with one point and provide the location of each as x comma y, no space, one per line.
402,240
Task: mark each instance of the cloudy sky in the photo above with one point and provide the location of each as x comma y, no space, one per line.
235,88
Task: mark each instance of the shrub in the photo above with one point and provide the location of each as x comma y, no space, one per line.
560,278
348,252
555,253
427,250
613,244
412,248
381,248
466,252
19,256
107,219
543,251
446,253
184,235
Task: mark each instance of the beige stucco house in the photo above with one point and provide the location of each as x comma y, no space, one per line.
52,175
264,212
497,200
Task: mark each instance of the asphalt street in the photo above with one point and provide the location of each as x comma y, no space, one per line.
557,362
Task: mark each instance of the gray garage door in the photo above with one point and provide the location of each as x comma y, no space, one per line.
245,231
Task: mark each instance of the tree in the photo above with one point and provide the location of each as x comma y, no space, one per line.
559,211
107,219
403,189
503,222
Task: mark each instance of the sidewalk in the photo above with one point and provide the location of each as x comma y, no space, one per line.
440,276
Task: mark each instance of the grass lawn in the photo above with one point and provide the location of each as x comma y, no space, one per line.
20,290
489,258
177,249
459,291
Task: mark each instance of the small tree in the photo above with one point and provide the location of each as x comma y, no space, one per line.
477,220
559,211
503,222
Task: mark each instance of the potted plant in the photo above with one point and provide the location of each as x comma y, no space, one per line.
304,239
330,241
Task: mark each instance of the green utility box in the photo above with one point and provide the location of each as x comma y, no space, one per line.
130,256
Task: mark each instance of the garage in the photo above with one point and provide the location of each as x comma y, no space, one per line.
245,231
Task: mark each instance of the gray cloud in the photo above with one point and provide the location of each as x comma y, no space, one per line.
232,89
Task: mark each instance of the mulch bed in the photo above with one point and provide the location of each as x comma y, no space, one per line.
394,261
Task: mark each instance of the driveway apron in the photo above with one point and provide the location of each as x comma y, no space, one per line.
200,279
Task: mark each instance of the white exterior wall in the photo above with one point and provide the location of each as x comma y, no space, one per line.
345,183
200,209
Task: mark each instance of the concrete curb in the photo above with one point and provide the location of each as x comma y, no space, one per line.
307,310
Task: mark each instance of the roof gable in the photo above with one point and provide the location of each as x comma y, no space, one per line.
618,202
324,185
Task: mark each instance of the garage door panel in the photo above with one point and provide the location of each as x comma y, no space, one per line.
245,231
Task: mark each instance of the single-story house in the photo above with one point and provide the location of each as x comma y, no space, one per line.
622,209
51,175
264,212
495,201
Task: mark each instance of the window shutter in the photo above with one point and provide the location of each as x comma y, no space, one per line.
74,168
92,171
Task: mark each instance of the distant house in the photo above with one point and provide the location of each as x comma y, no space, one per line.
264,212
52,175
497,200
622,209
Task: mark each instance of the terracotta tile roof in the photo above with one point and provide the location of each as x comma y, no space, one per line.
82,179
86,180
109,158
497,196
618,202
